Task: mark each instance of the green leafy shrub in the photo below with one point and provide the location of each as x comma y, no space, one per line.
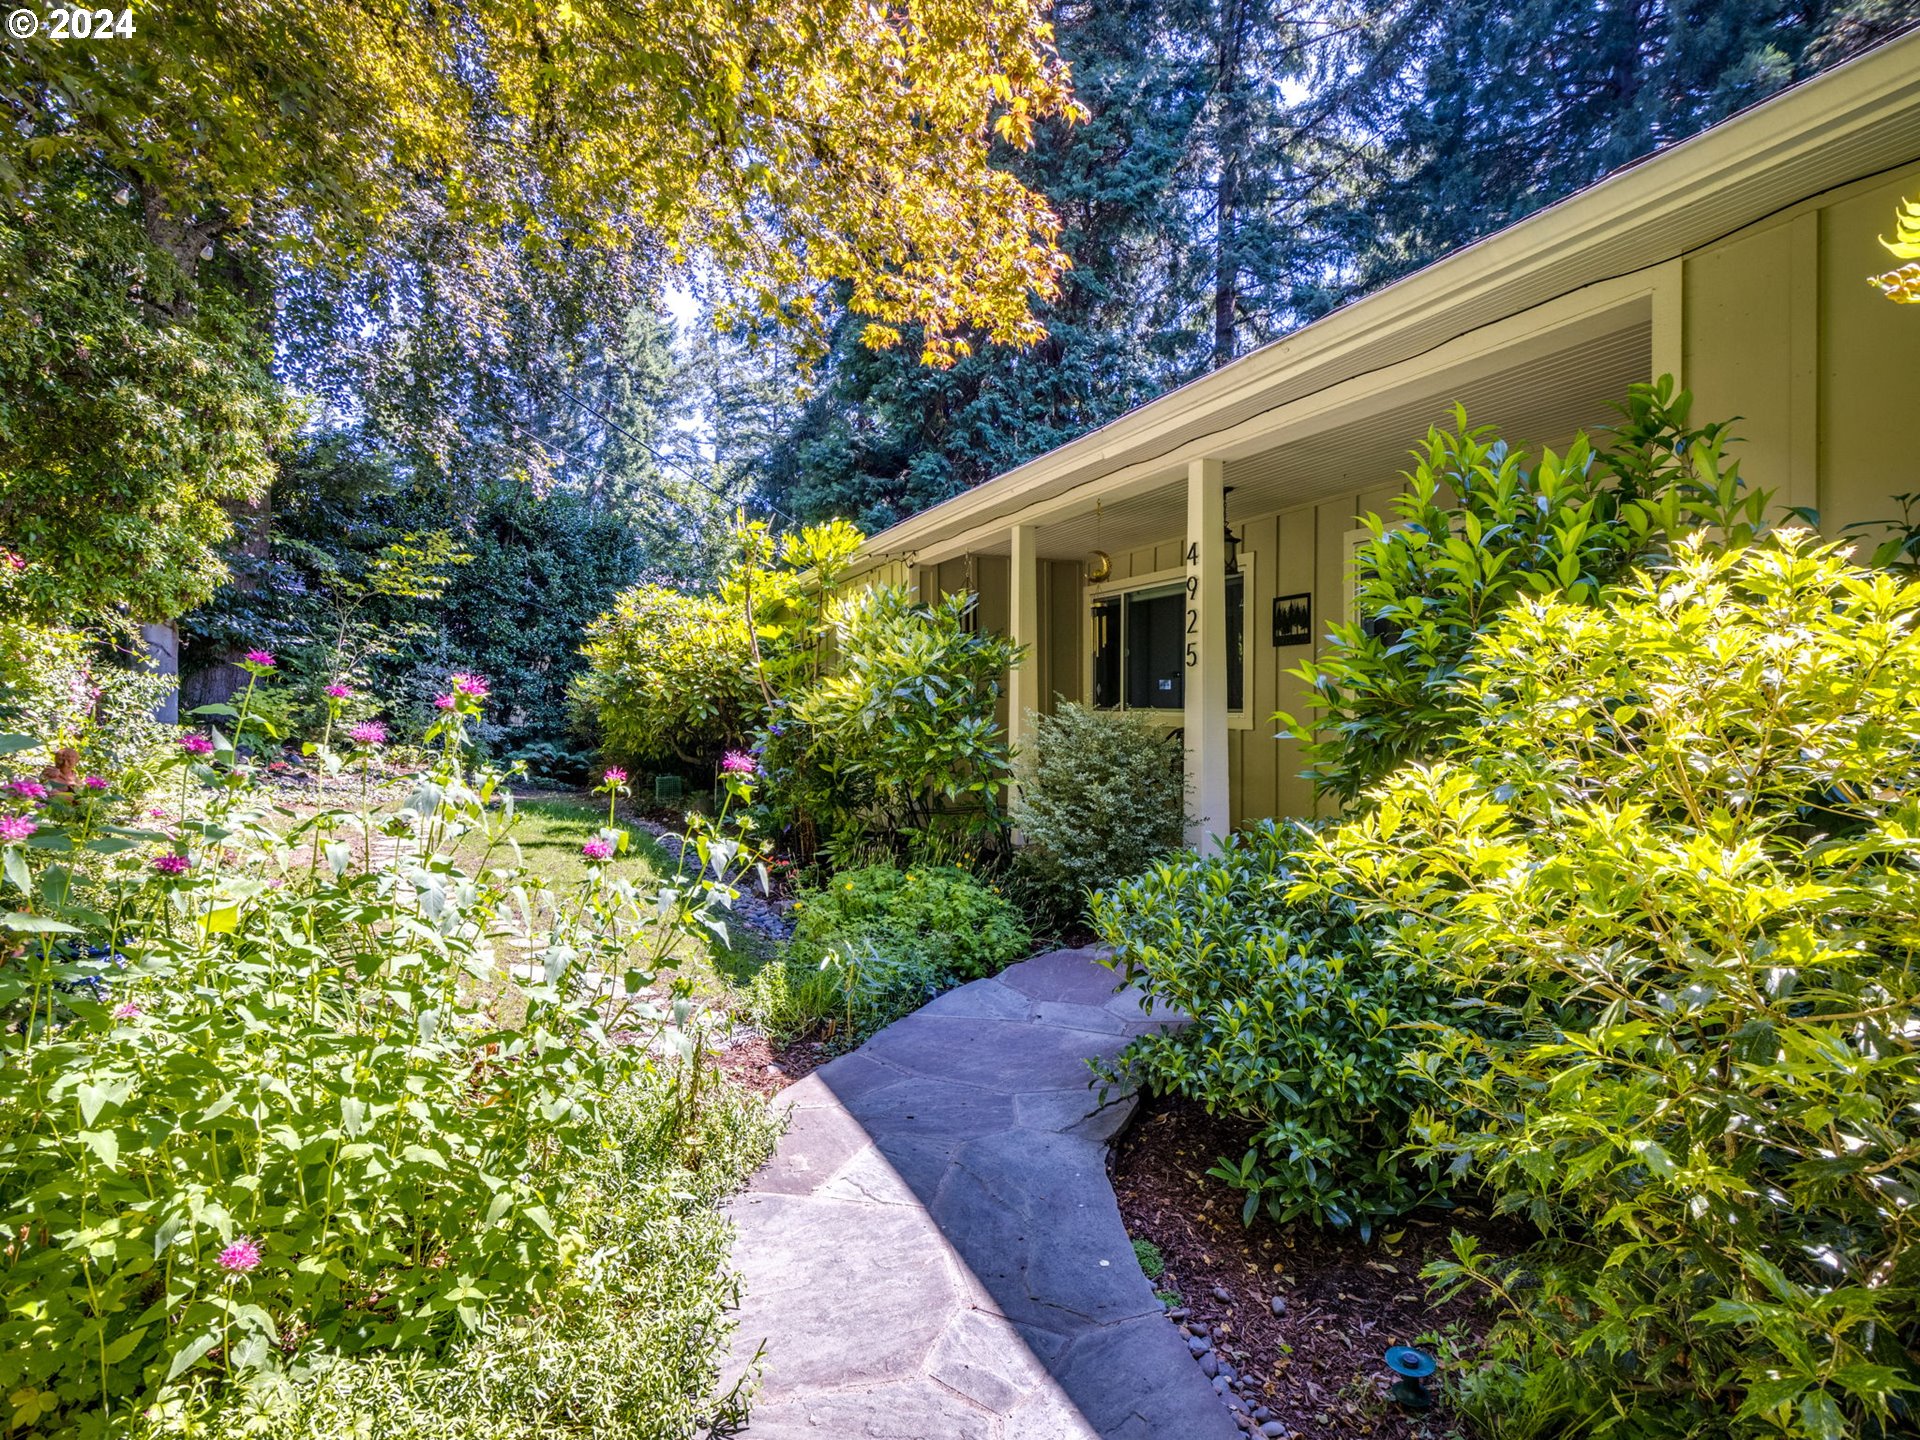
268,1099
1481,525
1103,798
877,943
897,742
1298,1026
1671,862
669,675
938,915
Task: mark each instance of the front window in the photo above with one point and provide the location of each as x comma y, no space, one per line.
1140,648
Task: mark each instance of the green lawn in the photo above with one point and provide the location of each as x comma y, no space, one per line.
550,831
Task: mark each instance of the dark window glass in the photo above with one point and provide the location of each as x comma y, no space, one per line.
1106,654
1236,642
1156,650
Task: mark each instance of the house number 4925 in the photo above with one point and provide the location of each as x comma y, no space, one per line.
1193,609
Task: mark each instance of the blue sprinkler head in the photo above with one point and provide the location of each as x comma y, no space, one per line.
1413,1367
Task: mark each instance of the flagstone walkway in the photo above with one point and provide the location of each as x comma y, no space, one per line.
934,1252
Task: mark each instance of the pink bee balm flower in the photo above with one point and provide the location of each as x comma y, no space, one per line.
337,691
16,562
597,849
172,864
16,827
443,702
240,1257
157,812
28,789
368,732
736,762
126,1011
196,744
474,685
262,658
96,782
614,775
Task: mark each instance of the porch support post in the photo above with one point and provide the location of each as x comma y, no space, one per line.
1206,654
1023,606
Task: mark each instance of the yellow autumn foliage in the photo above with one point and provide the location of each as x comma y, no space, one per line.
794,144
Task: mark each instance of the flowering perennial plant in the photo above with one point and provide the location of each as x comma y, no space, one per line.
361,1077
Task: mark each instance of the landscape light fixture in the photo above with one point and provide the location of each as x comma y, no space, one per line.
1413,1367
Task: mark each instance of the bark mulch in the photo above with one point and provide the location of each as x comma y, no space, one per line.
1317,1366
755,1063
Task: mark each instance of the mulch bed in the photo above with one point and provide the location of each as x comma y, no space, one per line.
1318,1366
754,1063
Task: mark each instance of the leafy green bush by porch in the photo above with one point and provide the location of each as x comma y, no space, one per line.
1672,862
896,745
1481,525
1103,797
1296,1013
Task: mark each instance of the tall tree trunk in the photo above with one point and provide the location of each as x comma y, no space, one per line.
1230,130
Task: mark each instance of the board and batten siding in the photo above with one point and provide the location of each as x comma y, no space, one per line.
1781,329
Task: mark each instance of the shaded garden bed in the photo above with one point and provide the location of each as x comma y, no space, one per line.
1316,1366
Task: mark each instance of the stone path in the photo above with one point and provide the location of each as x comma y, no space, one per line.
934,1252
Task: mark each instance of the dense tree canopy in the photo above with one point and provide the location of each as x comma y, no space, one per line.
1249,165
439,221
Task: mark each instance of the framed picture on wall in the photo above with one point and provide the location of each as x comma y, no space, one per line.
1293,619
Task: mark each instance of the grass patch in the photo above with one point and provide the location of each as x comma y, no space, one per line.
551,830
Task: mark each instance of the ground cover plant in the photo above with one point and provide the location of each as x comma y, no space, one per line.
1669,864
873,944
282,1098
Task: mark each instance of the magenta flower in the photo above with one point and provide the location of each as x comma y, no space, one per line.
157,812
337,691
96,782
472,685
736,762
195,743
614,775
127,1010
597,849
16,827
240,1257
172,864
443,702
16,562
262,658
368,732
28,789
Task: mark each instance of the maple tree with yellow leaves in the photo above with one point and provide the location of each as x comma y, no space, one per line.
793,144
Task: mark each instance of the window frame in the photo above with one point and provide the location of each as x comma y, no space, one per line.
1116,589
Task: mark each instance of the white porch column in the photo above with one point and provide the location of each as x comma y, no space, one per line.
1023,608
1206,654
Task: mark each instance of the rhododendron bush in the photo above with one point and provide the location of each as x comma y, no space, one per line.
276,1089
